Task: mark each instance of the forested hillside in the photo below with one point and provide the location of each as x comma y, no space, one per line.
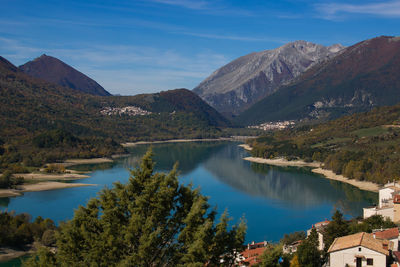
363,146
43,122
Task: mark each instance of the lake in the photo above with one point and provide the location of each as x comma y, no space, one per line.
274,200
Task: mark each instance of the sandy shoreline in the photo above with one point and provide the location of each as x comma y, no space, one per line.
49,177
284,162
42,186
50,181
246,147
131,144
71,162
363,185
233,138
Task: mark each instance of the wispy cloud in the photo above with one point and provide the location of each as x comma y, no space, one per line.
125,69
235,37
196,4
208,7
125,23
381,8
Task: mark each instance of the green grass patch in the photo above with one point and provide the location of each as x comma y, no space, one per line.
374,131
332,141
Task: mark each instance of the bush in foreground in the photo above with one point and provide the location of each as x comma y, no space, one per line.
150,221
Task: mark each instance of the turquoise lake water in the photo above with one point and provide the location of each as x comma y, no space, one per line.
274,200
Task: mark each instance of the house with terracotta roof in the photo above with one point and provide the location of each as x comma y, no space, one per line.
319,227
391,234
359,250
252,255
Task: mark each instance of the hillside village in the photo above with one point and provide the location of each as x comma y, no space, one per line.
273,125
128,110
378,247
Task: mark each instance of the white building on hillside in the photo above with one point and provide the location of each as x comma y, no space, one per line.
319,227
358,250
386,205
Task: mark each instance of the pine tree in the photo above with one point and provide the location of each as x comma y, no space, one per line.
336,228
308,253
150,221
273,257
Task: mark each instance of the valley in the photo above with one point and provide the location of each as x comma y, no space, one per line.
304,111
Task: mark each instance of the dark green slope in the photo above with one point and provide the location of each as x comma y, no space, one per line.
37,117
184,99
361,77
362,146
31,104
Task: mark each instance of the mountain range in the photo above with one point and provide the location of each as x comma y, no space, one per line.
53,70
322,83
236,86
305,81
356,79
30,106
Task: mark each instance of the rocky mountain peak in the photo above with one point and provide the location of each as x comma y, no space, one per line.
242,82
357,78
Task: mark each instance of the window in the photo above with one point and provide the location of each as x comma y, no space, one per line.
359,249
370,261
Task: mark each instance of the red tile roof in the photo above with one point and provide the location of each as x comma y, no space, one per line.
318,224
252,256
388,233
361,239
253,252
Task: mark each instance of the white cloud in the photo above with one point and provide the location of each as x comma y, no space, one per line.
381,8
235,38
217,8
197,5
126,70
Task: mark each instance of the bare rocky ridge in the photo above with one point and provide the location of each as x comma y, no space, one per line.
239,84
55,71
360,77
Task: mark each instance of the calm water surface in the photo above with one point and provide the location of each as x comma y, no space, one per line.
274,200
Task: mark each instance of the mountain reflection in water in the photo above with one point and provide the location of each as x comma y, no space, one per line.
274,200
297,187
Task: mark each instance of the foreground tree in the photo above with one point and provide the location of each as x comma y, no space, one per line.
367,225
308,253
336,228
150,221
274,257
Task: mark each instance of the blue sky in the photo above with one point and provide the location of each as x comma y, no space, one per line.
144,46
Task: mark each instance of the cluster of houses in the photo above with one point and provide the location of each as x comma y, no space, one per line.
379,248
128,110
273,125
252,254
